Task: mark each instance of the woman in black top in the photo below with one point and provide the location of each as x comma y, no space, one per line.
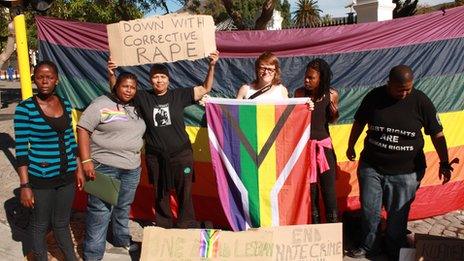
323,169
168,151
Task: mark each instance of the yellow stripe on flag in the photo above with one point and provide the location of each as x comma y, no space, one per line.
265,117
199,138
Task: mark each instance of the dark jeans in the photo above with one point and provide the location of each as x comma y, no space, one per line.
99,213
325,184
182,169
396,193
52,207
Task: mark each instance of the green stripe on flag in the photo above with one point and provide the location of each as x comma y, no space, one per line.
249,171
446,93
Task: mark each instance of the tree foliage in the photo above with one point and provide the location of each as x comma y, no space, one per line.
307,14
404,8
246,14
284,9
97,11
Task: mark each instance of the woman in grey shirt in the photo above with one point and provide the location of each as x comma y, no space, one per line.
110,139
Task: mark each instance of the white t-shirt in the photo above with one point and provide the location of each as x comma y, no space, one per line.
274,93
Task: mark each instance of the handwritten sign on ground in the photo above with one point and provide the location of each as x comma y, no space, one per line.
161,39
407,254
434,248
302,242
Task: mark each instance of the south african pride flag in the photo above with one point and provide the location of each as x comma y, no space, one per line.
260,158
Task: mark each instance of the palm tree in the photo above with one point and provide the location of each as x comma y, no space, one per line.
307,14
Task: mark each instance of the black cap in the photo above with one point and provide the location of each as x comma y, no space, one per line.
159,68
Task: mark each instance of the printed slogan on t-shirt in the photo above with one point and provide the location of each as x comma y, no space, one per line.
390,138
161,39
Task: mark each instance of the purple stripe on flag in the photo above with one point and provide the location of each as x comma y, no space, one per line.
341,39
231,147
214,114
231,142
292,42
72,33
228,192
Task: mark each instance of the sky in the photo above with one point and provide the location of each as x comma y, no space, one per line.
336,8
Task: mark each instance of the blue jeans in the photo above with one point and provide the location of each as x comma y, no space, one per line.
396,193
100,212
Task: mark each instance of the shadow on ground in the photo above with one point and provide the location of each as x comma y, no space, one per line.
18,220
5,146
9,96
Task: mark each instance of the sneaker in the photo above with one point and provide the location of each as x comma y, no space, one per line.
357,253
133,247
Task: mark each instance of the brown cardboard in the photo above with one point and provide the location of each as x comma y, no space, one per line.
161,39
302,242
443,249
308,242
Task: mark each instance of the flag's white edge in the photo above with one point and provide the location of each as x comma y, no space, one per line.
233,175
285,173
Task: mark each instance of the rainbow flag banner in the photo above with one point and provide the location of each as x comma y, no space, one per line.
260,158
360,57
209,241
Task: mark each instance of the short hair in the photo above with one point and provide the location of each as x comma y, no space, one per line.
159,68
325,75
122,77
400,74
46,63
269,58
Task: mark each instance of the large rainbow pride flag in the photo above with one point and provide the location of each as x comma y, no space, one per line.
360,56
260,157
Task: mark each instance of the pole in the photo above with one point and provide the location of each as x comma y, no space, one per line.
23,56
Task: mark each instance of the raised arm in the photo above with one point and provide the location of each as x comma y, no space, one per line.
201,90
356,131
111,72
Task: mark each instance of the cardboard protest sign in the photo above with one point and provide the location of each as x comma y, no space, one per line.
302,242
407,254
308,242
435,248
161,39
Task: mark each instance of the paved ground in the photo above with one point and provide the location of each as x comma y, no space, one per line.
14,239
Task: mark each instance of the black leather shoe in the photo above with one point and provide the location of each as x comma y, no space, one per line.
357,253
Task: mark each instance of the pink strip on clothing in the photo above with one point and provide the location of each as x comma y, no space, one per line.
317,157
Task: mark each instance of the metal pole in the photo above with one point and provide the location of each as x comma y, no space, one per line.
23,56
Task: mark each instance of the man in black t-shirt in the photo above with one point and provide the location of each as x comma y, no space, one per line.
393,161
168,151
